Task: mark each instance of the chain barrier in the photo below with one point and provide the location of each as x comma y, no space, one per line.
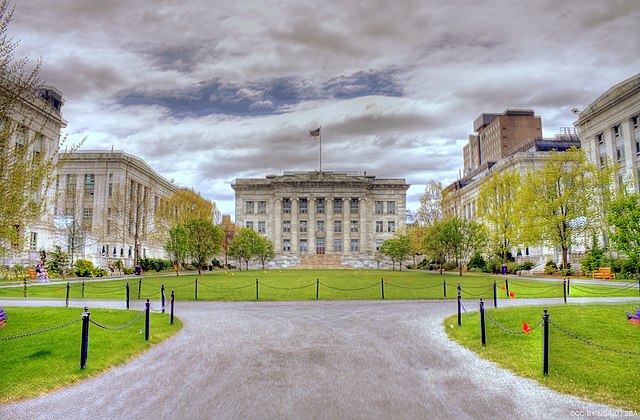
225,288
351,290
606,292
413,287
95,286
533,287
536,293
120,327
508,330
54,327
288,288
490,286
474,313
490,290
591,343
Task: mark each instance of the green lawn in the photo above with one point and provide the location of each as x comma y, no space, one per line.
575,367
332,285
40,363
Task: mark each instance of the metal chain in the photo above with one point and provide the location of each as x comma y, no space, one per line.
412,288
605,292
591,343
226,288
538,292
508,330
350,290
121,327
532,287
287,288
473,295
55,327
466,312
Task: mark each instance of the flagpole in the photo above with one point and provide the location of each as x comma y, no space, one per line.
320,150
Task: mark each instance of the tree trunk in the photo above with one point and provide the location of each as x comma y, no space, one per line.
565,252
460,270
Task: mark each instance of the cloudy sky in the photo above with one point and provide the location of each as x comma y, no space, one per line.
210,91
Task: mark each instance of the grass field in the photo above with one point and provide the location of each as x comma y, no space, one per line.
36,364
575,367
327,284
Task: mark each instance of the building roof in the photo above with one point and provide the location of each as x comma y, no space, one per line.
318,179
611,97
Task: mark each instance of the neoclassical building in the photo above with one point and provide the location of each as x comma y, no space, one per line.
322,219
610,129
105,206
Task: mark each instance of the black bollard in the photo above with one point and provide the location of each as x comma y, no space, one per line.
564,290
139,287
196,288
146,321
173,297
444,286
127,297
545,343
482,330
459,306
568,286
256,289
25,288
382,286
84,342
317,287
66,301
506,282
83,289
162,296
495,295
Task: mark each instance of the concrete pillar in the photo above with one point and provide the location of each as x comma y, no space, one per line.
294,225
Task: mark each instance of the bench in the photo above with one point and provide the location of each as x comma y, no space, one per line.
31,273
603,273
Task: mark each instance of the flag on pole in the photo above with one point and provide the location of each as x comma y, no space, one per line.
315,133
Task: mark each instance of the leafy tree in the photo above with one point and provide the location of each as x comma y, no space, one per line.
244,246
623,216
497,206
397,249
204,241
464,238
177,246
560,200
230,231
416,233
27,158
264,250
58,260
430,210
181,207
435,245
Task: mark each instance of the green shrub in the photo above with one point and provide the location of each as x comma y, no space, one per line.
494,265
566,272
84,268
127,270
98,272
550,267
527,265
476,261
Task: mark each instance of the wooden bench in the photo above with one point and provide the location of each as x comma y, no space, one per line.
603,273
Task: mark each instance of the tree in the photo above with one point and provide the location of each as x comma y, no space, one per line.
497,206
230,231
204,241
244,246
623,216
264,250
456,239
434,244
28,157
430,210
181,207
177,246
560,200
397,249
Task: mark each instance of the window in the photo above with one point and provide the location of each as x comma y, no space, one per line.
89,183
38,145
262,207
108,227
617,132
303,205
391,227
337,205
87,218
379,226
354,205
379,207
262,228
248,207
33,241
286,205
354,226
110,185
320,226
337,226
286,245
602,152
391,207
379,244
303,245
636,129
319,205
286,226
337,245
303,226
319,245
249,225
70,185
354,245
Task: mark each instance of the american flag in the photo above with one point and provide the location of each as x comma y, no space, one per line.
315,133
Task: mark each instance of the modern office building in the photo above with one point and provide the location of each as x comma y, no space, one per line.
610,130
322,219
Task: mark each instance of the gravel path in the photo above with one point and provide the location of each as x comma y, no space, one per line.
302,360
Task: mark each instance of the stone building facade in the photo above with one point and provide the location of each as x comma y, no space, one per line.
322,219
105,202
610,130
